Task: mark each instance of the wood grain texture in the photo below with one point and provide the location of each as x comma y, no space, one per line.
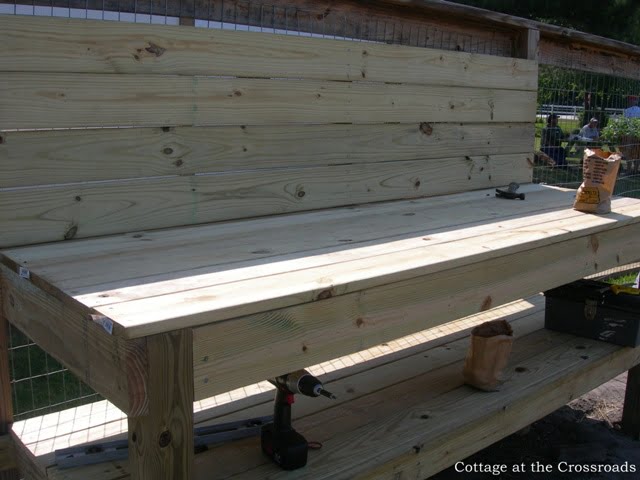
292,337
352,270
33,100
85,46
568,54
56,157
7,454
91,209
631,410
29,465
460,420
159,262
7,457
349,384
161,442
100,360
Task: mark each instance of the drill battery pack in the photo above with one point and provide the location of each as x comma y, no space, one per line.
591,309
287,448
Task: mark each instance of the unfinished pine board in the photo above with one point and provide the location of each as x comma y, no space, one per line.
460,419
101,208
114,368
64,156
262,291
87,46
56,100
161,440
374,368
7,453
155,258
366,376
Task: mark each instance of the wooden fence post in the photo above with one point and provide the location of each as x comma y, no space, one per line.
7,458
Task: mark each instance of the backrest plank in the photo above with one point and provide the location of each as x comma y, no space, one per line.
220,125
63,45
100,208
51,157
35,100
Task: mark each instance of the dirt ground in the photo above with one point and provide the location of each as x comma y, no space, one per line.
585,432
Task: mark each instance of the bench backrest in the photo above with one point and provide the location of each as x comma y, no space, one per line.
216,125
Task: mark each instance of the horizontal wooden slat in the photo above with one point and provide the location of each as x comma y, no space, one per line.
387,402
63,156
84,210
32,100
72,45
158,262
293,337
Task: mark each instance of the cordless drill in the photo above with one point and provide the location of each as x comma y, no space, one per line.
280,441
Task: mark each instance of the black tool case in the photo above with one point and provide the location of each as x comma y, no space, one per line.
589,308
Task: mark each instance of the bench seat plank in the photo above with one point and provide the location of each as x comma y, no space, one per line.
292,270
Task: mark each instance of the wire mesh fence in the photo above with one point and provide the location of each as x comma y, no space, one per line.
42,385
586,105
278,17
39,383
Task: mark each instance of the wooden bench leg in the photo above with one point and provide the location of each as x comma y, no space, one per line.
7,472
161,442
631,410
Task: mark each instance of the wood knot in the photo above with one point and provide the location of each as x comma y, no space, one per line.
69,234
300,193
78,198
155,49
304,348
167,151
416,184
179,162
164,439
359,322
237,93
486,304
325,294
363,73
594,243
426,128
166,129
521,369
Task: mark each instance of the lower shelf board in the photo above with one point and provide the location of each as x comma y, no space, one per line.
408,414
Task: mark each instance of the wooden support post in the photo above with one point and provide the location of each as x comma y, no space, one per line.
527,44
7,472
161,442
631,410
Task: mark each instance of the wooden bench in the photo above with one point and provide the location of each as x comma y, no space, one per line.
270,203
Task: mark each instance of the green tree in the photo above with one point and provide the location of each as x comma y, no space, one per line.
617,19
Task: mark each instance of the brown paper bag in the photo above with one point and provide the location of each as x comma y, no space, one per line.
488,354
600,170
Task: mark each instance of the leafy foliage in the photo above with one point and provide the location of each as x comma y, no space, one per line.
620,127
617,19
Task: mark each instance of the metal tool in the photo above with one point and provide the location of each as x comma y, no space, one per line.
119,449
510,193
280,441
